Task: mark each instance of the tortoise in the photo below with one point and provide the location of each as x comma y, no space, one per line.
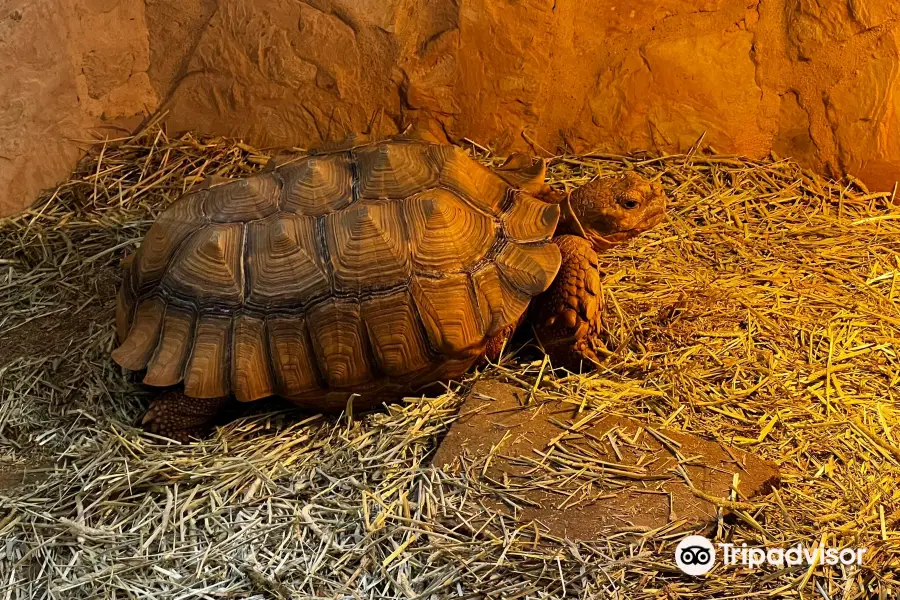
352,276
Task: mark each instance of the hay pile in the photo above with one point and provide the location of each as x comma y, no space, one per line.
763,313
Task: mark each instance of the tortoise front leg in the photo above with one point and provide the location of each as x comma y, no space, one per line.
179,417
496,345
566,317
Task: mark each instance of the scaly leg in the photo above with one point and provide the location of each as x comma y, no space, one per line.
566,317
496,344
176,416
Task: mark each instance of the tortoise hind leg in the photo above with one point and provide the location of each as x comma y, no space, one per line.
179,417
566,317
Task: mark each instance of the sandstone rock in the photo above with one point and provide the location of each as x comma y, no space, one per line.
176,27
286,73
812,79
794,138
864,96
608,474
66,68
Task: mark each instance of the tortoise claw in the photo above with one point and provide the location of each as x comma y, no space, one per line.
578,358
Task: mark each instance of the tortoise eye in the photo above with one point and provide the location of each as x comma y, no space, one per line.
629,204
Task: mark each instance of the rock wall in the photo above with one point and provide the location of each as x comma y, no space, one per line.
811,79
66,68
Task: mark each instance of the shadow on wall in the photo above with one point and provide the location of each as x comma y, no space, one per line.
812,79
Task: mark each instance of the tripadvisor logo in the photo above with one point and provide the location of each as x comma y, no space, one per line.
696,555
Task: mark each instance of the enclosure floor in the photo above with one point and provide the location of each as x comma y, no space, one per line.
763,313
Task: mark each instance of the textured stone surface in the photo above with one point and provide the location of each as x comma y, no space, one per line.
812,79
67,69
606,474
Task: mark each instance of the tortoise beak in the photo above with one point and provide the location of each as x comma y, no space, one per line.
609,240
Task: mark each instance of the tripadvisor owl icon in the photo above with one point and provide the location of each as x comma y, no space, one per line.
695,555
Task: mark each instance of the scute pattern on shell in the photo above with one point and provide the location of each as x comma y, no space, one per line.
371,270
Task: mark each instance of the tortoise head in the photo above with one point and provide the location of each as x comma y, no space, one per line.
609,211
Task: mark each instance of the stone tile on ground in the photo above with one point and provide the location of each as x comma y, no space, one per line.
606,474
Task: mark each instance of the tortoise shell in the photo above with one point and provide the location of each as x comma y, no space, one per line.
372,270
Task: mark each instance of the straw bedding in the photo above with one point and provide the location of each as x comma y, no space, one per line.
763,313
